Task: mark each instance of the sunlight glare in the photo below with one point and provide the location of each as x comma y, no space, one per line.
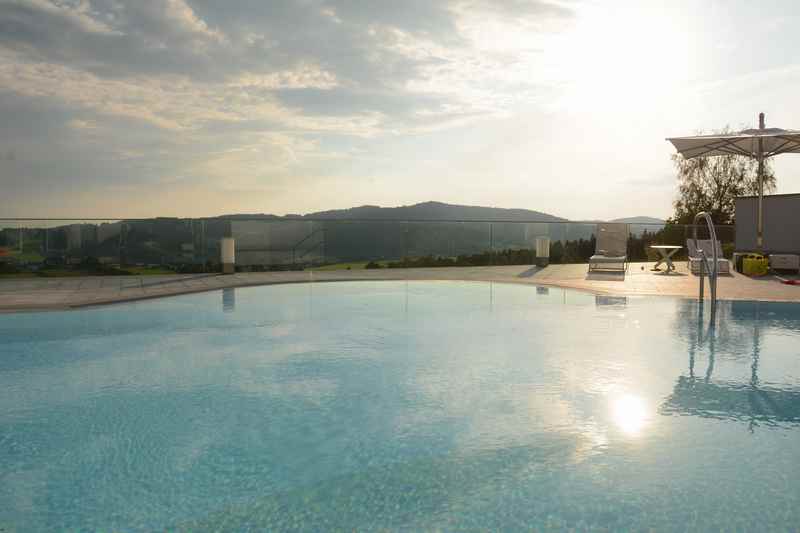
627,55
629,414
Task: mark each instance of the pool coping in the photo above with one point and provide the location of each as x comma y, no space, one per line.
61,294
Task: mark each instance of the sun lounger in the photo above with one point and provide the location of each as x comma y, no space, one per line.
611,249
723,265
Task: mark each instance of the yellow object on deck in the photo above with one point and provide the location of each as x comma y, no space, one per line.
755,265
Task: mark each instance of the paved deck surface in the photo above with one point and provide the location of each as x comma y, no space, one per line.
30,294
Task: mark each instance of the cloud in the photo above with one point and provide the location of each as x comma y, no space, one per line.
112,38
83,125
139,91
305,76
179,14
382,52
175,102
77,16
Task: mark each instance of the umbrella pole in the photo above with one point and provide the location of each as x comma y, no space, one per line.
760,236
760,226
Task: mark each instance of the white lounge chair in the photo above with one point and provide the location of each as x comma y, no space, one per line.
611,249
723,265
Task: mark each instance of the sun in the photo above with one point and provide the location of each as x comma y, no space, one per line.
621,55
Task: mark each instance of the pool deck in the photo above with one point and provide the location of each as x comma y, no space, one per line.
41,294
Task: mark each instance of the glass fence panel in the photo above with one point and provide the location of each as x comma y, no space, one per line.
111,246
571,242
165,245
159,242
677,235
276,244
514,243
53,246
348,245
448,243
727,236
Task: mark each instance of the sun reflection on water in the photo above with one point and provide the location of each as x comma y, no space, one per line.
629,413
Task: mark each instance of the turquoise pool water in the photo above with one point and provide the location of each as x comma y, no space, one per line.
401,406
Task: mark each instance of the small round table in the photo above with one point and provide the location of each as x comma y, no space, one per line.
666,252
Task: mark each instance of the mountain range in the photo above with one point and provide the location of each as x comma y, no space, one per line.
364,233
639,220
439,211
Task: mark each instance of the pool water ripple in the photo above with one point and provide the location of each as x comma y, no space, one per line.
401,406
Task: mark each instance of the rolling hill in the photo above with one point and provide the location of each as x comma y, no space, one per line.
437,211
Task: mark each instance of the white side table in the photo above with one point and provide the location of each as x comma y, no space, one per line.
666,253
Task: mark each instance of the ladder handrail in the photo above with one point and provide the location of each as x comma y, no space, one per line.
704,266
304,239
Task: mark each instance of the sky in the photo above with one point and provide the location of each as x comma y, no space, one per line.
138,108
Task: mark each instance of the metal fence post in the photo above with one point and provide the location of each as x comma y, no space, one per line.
491,243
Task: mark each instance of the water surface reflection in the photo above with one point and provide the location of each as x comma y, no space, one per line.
401,406
743,398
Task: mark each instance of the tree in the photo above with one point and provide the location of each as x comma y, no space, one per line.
712,184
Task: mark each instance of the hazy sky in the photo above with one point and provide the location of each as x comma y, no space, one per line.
203,107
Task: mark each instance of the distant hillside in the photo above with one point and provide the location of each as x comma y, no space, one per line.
639,220
436,211
639,225
268,240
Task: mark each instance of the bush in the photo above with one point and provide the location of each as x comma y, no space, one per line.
372,265
191,268
9,268
93,266
727,250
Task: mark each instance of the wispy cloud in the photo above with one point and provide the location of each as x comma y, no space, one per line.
256,95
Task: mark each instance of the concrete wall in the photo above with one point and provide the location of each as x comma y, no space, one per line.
781,223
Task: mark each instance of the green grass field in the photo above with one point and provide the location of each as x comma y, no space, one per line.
15,275
61,273
70,273
148,271
348,266
31,257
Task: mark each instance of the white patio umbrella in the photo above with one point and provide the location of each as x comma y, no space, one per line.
758,143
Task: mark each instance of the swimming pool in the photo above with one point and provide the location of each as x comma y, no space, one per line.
401,406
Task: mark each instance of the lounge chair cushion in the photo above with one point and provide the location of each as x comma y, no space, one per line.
607,259
704,245
611,243
723,265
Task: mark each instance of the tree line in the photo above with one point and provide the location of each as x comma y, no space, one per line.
565,252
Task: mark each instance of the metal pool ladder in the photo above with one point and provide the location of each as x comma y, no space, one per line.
704,266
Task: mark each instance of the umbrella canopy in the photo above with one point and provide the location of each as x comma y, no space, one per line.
774,141
756,143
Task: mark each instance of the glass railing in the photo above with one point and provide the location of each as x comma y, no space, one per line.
166,245
104,247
